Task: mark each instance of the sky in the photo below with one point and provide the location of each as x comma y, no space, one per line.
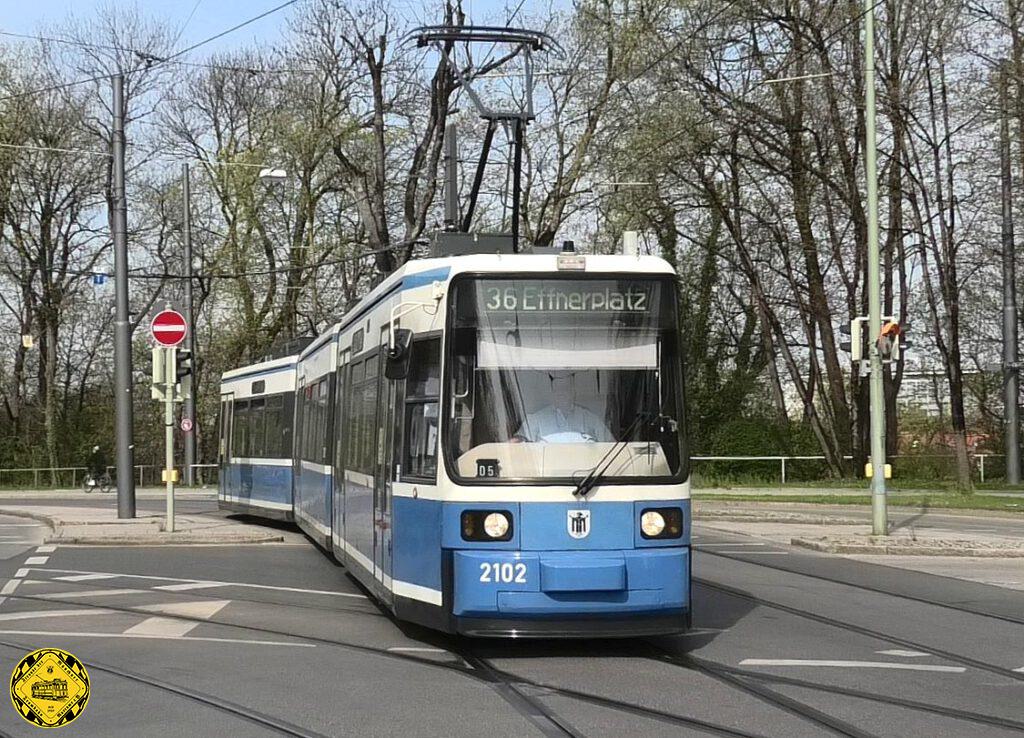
207,17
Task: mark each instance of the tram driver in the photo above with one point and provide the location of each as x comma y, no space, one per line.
563,420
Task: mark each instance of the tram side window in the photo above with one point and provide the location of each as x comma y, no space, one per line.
239,428
422,392
309,423
368,424
358,427
322,408
257,427
274,425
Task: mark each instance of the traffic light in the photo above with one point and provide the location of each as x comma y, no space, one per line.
182,365
854,345
893,340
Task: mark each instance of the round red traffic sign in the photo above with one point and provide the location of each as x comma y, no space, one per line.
186,425
168,328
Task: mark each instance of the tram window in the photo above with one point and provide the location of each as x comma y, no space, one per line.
273,448
421,410
257,428
320,444
239,428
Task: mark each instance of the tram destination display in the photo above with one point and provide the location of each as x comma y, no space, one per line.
567,297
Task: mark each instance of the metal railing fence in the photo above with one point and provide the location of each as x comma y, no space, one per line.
71,477
783,469
64,477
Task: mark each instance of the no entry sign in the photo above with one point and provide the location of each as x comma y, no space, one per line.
168,328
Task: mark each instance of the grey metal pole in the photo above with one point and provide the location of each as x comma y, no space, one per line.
189,407
879,513
122,326
451,178
169,382
1010,396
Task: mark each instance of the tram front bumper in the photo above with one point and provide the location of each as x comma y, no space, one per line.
571,584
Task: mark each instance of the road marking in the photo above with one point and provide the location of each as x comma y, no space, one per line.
89,593
702,631
33,560
157,626
84,577
55,613
417,649
708,545
902,652
93,634
12,584
204,609
852,664
211,582
758,553
21,573
46,549
187,586
21,525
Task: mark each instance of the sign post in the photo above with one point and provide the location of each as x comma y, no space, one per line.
168,330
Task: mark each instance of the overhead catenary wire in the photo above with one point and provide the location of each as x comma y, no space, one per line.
257,272
154,61
151,58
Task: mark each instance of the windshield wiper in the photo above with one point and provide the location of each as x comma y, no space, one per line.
594,476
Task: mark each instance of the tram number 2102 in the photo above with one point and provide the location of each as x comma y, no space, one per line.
506,573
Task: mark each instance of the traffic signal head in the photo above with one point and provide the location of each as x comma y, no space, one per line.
182,364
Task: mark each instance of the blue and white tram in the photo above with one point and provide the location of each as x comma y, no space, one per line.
493,445
257,408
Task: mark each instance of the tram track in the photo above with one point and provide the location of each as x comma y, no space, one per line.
949,712
862,630
516,690
769,696
240,711
487,674
863,587
531,708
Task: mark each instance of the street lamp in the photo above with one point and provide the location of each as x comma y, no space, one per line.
272,176
266,174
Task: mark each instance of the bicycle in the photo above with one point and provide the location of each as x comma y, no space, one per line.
103,484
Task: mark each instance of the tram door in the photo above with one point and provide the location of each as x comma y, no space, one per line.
227,410
383,464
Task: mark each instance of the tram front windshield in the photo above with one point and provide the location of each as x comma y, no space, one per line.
551,378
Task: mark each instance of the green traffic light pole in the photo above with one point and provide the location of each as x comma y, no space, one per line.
879,515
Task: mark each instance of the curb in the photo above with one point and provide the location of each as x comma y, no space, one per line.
39,517
905,547
753,517
166,539
149,533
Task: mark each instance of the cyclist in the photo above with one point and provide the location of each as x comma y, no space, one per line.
96,474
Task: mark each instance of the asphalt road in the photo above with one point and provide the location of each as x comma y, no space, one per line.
277,640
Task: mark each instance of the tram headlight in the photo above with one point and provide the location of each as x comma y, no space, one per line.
652,523
486,525
496,525
661,522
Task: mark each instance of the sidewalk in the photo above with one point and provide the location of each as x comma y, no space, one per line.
180,493
983,547
849,534
92,526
